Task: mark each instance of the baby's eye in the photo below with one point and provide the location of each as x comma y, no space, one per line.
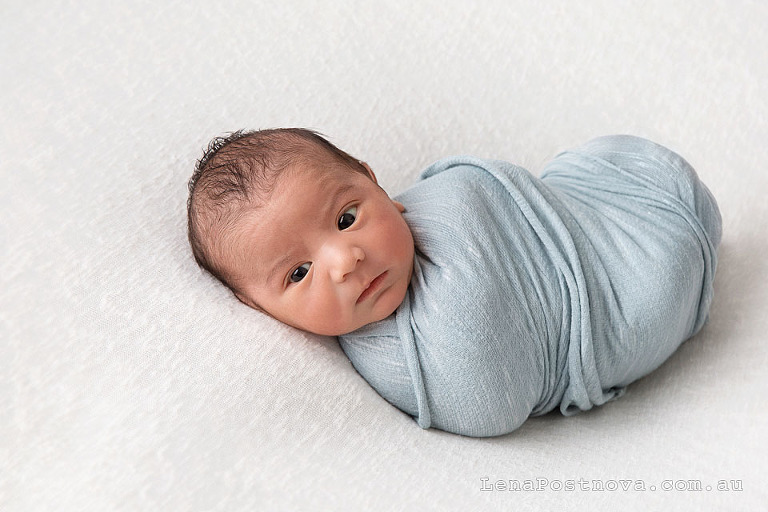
347,218
299,273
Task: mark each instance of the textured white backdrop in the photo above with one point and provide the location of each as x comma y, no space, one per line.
129,380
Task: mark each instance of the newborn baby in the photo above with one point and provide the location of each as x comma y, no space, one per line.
480,296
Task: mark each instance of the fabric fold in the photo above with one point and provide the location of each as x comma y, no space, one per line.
530,293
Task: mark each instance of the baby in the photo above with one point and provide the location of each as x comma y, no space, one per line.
480,296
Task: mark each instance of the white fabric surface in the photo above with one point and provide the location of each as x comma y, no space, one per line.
130,380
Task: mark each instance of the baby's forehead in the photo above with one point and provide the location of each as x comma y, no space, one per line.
308,183
301,197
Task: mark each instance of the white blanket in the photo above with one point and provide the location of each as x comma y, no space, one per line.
132,381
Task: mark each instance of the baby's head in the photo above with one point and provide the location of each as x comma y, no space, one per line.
299,229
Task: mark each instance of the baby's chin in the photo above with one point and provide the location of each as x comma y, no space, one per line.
341,330
368,321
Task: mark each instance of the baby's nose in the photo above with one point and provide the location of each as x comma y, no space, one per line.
344,261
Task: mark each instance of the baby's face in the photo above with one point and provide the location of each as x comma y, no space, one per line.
329,253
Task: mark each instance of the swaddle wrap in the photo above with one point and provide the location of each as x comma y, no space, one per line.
528,294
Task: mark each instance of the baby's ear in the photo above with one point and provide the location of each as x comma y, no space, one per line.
370,171
398,205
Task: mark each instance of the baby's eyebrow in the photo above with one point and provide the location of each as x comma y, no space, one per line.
281,263
343,189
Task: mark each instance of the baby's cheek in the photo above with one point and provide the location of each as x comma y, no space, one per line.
405,243
325,315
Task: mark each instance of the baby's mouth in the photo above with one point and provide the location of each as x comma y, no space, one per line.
372,287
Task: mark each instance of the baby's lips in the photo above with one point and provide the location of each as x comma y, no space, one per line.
372,286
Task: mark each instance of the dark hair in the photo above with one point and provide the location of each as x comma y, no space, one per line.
236,174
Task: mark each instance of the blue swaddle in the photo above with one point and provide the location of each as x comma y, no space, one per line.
528,294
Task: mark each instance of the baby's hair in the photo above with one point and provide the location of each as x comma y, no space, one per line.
236,175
